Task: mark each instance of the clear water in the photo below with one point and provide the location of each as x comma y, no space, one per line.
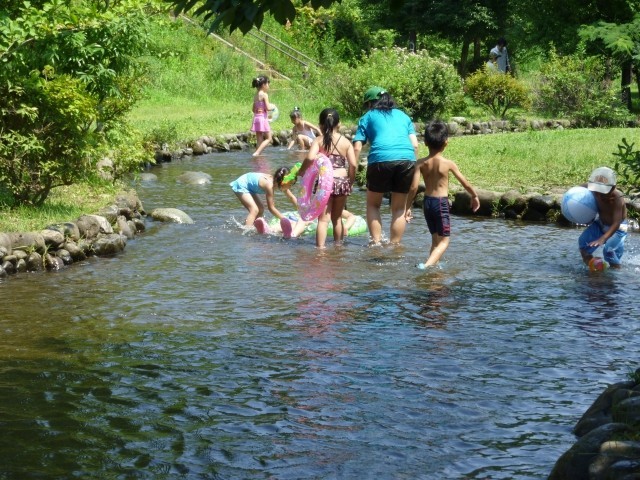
206,352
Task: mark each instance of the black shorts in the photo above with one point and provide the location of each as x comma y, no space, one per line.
395,177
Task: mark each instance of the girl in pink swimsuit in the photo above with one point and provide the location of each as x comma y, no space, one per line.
261,107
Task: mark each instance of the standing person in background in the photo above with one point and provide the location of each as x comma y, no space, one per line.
391,160
500,51
261,107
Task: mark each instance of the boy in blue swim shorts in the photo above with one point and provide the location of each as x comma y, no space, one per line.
435,170
609,229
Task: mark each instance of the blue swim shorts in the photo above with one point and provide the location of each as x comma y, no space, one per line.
436,213
613,248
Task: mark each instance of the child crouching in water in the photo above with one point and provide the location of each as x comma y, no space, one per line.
435,170
609,229
247,188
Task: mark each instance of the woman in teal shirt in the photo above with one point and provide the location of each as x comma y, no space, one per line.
391,161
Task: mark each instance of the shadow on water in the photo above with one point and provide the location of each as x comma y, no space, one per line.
206,351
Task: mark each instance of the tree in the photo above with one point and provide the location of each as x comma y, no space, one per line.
622,43
244,14
69,71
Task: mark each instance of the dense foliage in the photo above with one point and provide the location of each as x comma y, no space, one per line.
576,86
423,86
627,165
69,75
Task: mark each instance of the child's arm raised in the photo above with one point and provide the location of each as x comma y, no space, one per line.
475,201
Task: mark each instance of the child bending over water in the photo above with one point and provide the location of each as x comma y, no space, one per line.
248,186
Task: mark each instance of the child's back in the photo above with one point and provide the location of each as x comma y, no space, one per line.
435,172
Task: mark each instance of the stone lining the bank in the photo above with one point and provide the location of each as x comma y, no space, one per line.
105,233
608,446
457,126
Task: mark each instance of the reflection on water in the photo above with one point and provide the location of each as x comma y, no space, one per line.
206,352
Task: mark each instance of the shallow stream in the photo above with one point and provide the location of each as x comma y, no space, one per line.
204,351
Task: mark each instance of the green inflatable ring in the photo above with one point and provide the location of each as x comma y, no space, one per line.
358,228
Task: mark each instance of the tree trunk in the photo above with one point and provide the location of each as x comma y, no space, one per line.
462,68
477,53
637,72
625,83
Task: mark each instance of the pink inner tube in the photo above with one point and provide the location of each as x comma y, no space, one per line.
311,205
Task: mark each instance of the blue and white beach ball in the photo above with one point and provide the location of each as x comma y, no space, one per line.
579,205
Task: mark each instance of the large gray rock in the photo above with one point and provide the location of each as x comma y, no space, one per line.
27,241
75,251
109,244
600,411
148,177
35,262
52,238
574,463
5,241
462,203
68,229
124,228
170,215
194,178
90,226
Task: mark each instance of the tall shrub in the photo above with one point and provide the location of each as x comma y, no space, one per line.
423,86
497,92
576,86
68,72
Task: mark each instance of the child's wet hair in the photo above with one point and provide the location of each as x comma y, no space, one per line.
259,81
436,134
279,175
295,113
329,119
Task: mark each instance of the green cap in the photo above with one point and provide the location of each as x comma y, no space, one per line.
373,94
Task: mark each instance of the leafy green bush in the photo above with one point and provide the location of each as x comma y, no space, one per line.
424,87
69,73
497,92
576,86
43,143
627,165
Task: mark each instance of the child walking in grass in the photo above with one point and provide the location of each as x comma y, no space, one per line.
435,170
261,107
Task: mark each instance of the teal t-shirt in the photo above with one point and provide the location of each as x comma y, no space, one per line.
388,134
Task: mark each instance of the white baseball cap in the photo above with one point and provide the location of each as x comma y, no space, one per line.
602,180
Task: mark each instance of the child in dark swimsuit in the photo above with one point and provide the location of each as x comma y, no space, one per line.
343,159
435,169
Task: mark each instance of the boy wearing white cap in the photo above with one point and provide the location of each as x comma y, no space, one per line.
609,229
